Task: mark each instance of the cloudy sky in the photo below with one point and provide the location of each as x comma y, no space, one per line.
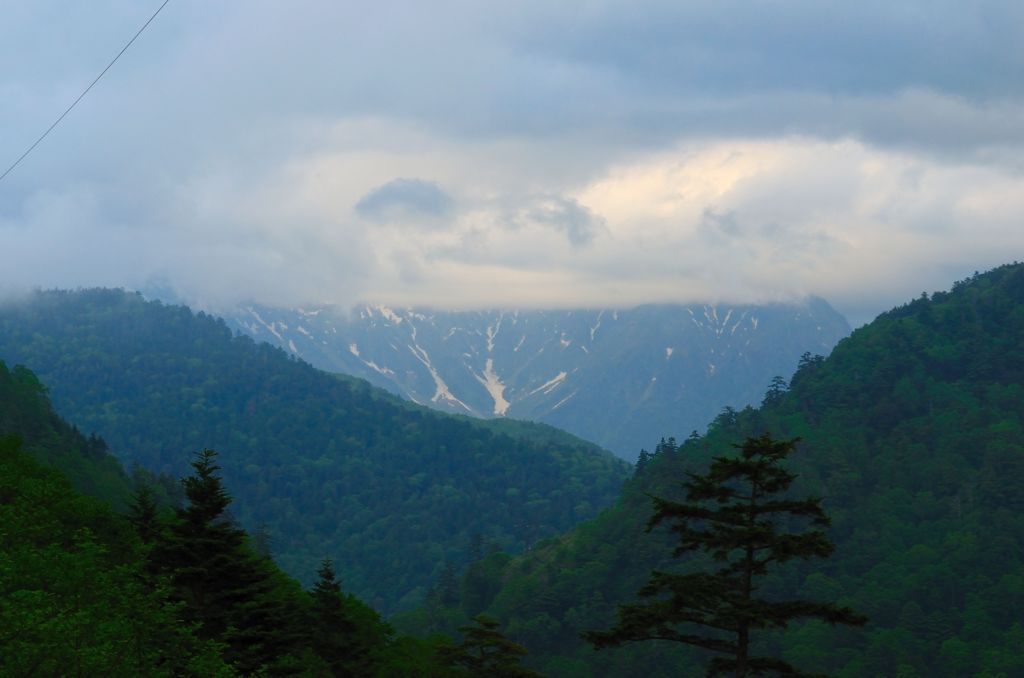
476,154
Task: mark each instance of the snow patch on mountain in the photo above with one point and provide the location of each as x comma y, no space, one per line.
492,332
441,390
593,330
564,400
549,385
493,384
269,326
621,390
390,315
377,368
738,323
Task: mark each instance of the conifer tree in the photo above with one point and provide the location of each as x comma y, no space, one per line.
776,389
142,514
333,632
485,651
734,513
347,634
203,550
327,587
641,463
228,590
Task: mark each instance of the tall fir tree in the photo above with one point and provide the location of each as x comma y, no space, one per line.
234,595
333,633
203,551
347,634
734,513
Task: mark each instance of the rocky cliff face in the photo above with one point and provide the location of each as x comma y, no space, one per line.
621,378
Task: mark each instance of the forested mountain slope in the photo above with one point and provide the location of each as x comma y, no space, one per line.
611,376
331,466
156,590
913,433
70,595
25,412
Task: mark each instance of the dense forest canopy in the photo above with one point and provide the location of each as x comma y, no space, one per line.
156,590
25,412
913,431
329,465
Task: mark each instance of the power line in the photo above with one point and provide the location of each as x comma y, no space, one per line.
84,92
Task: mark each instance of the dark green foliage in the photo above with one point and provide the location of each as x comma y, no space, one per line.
72,595
76,596
261,618
346,635
143,514
777,388
84,591
204,550
25,411
913,431
328,464
232,594
484,651
262,542
734,513
448,586
331,629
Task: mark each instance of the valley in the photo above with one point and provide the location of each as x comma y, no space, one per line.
909,432
511,340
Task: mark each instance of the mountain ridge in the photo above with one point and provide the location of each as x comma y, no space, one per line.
608,375
331,464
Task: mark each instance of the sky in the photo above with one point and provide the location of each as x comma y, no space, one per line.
525,154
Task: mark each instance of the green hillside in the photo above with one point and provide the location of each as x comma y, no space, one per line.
913,433
70,598
25,412
159,591
330,466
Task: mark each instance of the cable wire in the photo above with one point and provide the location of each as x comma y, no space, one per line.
84,92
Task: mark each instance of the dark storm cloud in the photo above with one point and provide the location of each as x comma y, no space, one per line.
405,200
631,72
566,216
873,47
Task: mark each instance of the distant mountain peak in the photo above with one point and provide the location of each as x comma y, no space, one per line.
619,377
